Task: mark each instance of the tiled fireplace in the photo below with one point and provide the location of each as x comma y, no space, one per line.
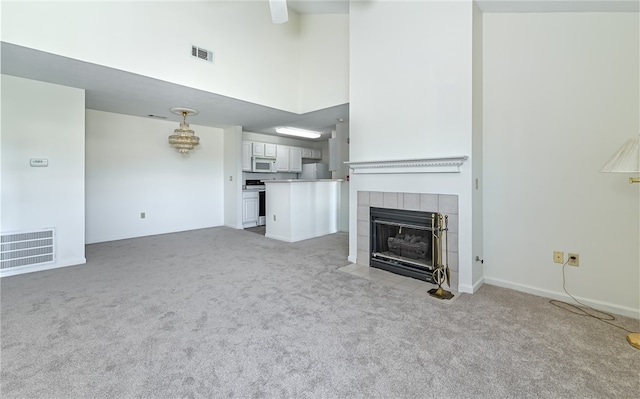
442,203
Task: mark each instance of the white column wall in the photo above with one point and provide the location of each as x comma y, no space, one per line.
42,120
561,94
411,97
131,168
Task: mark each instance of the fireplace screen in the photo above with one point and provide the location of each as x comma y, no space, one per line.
405,242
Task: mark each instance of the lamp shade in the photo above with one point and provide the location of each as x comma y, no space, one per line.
626,159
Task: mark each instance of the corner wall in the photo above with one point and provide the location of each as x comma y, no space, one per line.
561,94
42,120
131,168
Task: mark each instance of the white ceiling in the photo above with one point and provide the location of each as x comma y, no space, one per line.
112,90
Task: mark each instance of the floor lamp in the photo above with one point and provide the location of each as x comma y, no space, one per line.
627,160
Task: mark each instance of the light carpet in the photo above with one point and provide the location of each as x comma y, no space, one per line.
227,313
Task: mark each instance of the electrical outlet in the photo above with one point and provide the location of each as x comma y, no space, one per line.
143,215
574,260
558,257
274,218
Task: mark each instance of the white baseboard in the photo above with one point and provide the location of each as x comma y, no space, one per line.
470,289
604,306
14,271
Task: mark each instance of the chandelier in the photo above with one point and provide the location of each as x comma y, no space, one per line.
184,139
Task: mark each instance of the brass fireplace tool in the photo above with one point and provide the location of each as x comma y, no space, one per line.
441,272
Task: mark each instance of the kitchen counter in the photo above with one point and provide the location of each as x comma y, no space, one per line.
300,180
299,209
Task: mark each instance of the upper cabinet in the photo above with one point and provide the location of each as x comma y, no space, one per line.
263,150
270,150
258,150
311,153
282,158
246,156
295,159
288,158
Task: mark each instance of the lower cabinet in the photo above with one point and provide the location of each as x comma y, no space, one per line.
250,203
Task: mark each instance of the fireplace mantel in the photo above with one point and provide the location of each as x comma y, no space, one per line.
424,165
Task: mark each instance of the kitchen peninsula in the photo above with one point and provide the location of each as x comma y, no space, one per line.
302,209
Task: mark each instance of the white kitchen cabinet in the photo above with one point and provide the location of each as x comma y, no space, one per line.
258,150
250,203
246,156
307,152
282,158
316,154
295,159
269,150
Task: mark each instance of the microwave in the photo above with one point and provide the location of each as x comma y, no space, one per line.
263,165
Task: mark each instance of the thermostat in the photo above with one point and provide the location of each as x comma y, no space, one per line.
39,162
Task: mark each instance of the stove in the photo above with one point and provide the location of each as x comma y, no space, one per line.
253,185
258,186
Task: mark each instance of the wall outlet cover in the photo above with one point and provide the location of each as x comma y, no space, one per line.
558,257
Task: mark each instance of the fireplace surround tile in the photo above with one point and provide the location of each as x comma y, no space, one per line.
448,204
363,228
363,258
363,213
453,261
390,200
376,199
453,223
363,198
363,243
429,202
453,242
411,201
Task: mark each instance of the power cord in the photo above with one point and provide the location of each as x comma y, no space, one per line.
608,317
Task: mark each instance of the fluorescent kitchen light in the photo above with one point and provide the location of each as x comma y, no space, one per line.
291,131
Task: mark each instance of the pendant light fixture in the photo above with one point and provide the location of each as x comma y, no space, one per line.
184,139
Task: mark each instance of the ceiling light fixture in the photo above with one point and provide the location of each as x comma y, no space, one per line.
184,139
292,131
625,160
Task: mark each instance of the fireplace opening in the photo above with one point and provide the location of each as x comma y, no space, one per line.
403,242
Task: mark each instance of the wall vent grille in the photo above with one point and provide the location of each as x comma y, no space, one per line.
202,54
27,248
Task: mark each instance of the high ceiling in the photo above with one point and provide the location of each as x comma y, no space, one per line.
112,90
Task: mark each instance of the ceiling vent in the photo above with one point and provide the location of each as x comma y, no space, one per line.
202,54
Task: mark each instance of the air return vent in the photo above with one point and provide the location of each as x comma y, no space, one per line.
26,248
202,54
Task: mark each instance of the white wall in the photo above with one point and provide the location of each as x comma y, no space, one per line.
561,94
131,168
41,120
411,97
410,79
477,151
255,60
233,177
324,61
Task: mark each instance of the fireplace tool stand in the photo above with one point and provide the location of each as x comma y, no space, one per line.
441,272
